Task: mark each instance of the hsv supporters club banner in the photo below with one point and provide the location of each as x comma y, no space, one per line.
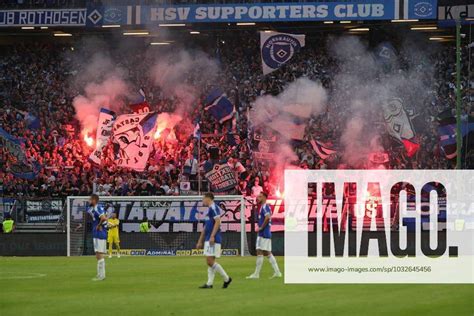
221,178
132,135
278,48
104,128
98,15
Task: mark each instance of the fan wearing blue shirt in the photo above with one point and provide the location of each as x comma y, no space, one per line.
211,239
99,234
264,238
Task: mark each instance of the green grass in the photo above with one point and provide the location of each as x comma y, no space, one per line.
168,286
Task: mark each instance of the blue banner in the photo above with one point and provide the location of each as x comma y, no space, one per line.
45,17
272,12
223,13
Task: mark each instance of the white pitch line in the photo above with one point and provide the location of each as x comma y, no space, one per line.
13,276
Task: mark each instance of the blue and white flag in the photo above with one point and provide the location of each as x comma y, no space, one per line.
212,96
278,48
197,131
220,107
32,121
133,136
386,56
104,131
139,104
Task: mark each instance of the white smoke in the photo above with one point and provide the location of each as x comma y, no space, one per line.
299,100
182,75
360,90
102,85
103,81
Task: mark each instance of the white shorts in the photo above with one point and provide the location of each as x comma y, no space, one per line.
212,251
100,245
264,244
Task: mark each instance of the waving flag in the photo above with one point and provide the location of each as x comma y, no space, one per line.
219,106
132,135
277,49
140,104
399,125
197,131
447,133
322,149
386,55
104,129
212,96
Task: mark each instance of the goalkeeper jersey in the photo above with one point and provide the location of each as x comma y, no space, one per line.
113,226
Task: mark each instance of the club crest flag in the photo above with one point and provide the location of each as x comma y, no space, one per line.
278,48
132,135
104,129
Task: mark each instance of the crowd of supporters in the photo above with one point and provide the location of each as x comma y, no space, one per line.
37,80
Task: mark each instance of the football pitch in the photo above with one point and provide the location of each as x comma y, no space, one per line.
169,286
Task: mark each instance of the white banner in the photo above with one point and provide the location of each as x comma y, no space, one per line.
278,48
396,119
104,128
133,133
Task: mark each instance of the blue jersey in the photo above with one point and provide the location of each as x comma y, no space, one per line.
96,212
267,231
213,213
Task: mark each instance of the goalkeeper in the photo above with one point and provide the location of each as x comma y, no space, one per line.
113,234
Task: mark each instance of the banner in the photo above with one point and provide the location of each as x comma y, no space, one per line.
22,169
221,178
96,16
269,12
44,17
447,15
263,146
276,49
104,129
399,125
133,137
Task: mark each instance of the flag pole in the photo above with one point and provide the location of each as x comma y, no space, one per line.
458,95
199,165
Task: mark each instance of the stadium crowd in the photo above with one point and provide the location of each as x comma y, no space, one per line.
36,82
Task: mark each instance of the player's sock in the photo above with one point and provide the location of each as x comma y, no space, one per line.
274,264
98,269
101,263
258,265
210,276
110,250
217,267
118,250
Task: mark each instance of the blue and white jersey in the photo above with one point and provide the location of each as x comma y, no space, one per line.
96,212
267,231
213,213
